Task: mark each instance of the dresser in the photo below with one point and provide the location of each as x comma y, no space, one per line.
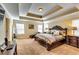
73,41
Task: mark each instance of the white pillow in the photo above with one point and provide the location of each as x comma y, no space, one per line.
56,32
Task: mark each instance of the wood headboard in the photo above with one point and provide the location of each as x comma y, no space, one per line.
57,27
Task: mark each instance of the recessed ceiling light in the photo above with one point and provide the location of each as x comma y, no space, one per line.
40,9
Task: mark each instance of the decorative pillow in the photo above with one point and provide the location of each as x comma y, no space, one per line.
62,33
56,32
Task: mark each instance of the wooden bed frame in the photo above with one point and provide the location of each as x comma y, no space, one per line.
49,46
54,44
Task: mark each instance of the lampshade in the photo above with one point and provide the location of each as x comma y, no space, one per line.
74,28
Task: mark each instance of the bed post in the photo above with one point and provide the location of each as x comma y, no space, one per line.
65,33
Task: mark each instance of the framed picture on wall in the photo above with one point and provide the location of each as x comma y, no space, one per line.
31,26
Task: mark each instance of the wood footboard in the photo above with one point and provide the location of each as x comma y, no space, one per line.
49,46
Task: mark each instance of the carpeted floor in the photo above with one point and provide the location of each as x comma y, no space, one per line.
31,47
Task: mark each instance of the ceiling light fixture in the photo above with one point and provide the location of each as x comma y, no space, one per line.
40,9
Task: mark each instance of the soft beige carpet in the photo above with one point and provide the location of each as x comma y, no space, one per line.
31,47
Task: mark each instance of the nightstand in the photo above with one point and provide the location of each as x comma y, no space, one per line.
73,41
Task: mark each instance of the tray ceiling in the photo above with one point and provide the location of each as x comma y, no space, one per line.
50,11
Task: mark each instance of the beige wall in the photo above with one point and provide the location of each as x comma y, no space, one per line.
26,29
6,29
62,23
9,24
11,28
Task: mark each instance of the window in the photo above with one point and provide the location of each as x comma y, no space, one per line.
20,28
40,28
75,23
45,27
